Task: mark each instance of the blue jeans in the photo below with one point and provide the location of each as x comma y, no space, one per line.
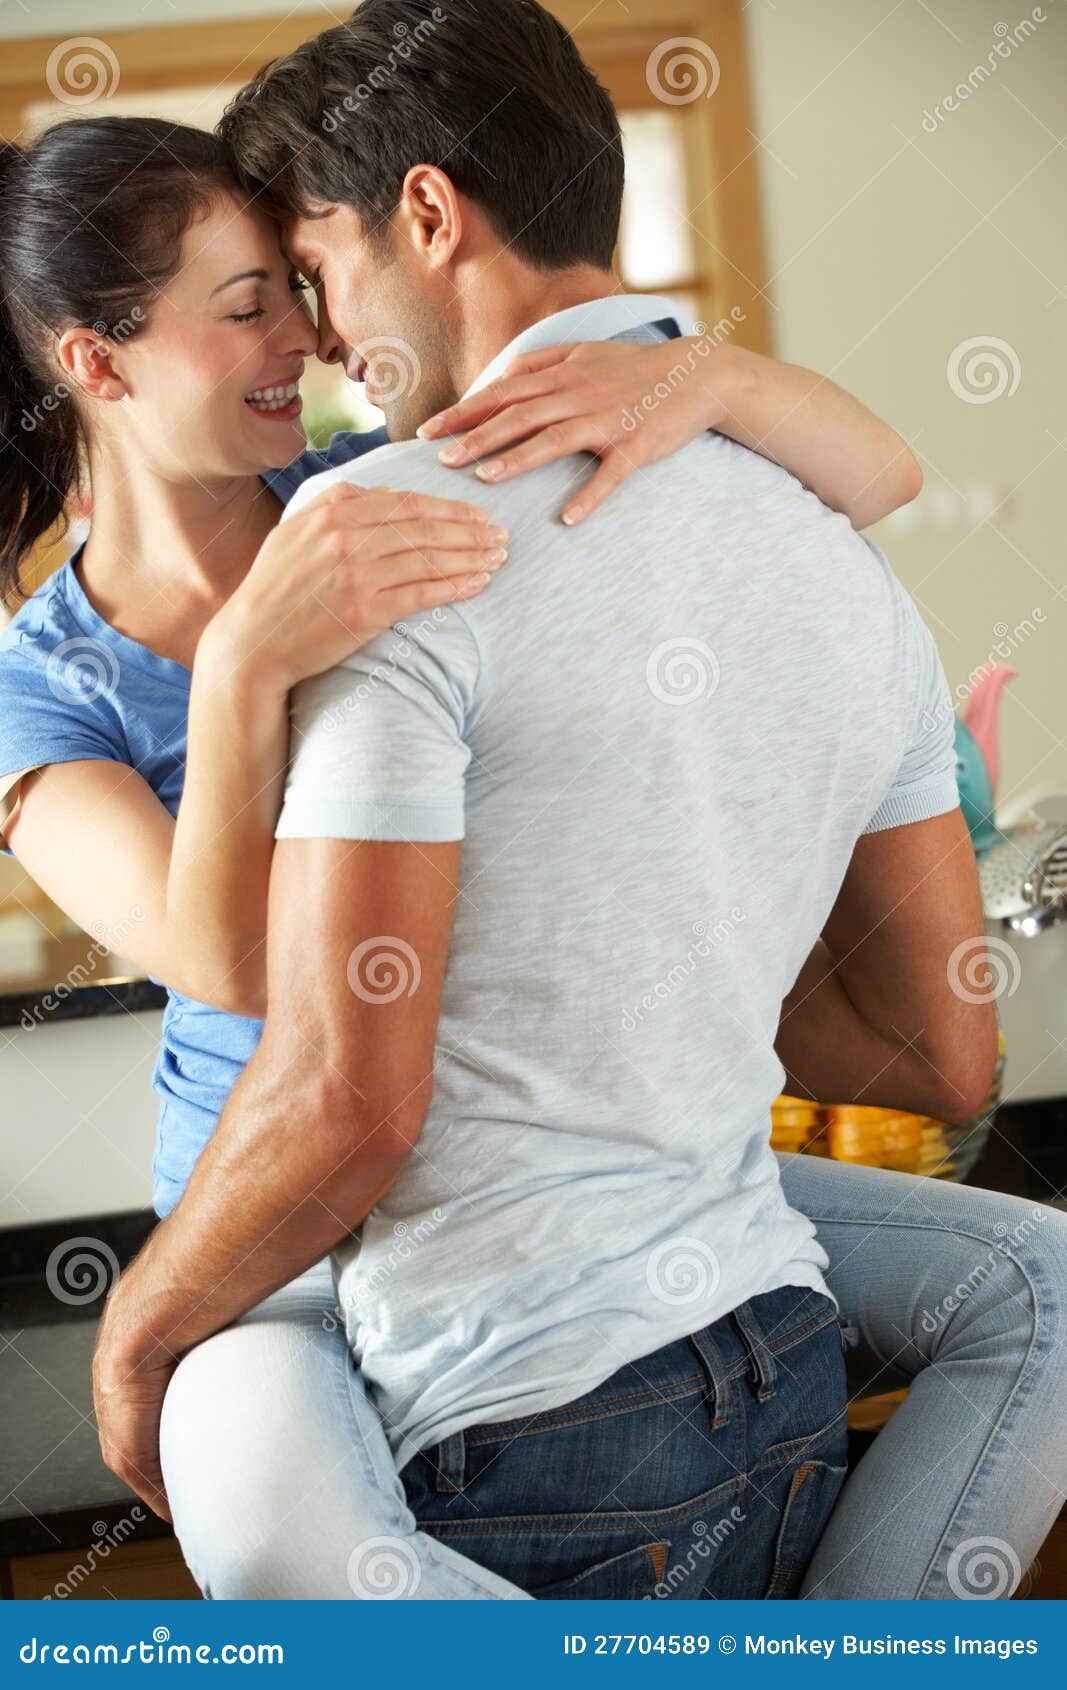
958,1292
707,1469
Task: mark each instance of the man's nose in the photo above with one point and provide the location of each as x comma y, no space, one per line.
331,348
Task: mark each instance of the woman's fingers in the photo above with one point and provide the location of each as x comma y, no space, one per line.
505,427
402,602
386,504
559,440
434,534
409,569
613,469
532,363
477,407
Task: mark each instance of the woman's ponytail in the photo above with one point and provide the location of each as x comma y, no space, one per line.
38,428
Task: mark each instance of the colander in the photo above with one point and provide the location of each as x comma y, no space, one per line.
1024,878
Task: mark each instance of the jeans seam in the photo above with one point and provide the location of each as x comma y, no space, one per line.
561,1419
798,1334
1008,1408
810,1442
525,1525
1017,1389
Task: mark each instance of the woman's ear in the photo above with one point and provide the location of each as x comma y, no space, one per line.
86,358
429,214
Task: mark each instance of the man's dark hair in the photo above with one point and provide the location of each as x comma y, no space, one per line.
494,92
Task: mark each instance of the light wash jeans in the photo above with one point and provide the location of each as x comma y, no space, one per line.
282,1483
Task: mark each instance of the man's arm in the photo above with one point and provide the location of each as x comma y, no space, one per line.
317,1130
886,1011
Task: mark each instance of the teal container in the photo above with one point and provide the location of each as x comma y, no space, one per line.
976,791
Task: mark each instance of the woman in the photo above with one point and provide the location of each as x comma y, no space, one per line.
144,715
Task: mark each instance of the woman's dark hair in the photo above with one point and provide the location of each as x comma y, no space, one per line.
495,92
91,220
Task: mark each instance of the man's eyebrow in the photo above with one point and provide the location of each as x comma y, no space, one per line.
244,276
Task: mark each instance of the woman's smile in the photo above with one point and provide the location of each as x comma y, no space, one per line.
280,402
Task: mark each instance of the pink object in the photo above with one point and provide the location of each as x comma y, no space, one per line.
982,715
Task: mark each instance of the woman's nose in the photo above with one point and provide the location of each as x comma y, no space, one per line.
299,333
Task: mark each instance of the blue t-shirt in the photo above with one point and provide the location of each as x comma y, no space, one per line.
72,688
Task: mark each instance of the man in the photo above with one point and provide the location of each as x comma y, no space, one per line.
698,757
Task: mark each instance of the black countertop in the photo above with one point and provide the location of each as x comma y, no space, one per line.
40,1007
55,1492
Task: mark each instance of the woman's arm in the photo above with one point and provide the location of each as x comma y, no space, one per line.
186,899
633,404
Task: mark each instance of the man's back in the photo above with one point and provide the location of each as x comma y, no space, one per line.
667,731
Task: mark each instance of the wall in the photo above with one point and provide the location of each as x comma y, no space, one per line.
78,1117
889,246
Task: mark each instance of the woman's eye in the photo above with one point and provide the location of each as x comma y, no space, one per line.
246,316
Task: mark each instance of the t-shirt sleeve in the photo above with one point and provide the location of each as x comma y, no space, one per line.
925,784
43,721
377,745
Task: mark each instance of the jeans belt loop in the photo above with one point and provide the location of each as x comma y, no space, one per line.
715,1375
763,1367
450,1462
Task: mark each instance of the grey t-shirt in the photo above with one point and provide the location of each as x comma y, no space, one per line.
660,736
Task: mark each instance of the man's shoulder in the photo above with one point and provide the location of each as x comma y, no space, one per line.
410,466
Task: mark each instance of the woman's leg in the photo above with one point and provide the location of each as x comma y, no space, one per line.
279,1474
962,1294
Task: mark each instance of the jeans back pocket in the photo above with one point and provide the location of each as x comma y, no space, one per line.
812,1493
631,1576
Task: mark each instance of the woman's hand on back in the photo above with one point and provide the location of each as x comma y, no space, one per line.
631,404
346,567
628,404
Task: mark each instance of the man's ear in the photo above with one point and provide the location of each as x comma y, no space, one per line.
86,358
429,214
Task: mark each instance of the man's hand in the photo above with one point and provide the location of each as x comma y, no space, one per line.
131,1372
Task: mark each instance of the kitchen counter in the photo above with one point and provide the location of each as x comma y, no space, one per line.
36,1006
55,1492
